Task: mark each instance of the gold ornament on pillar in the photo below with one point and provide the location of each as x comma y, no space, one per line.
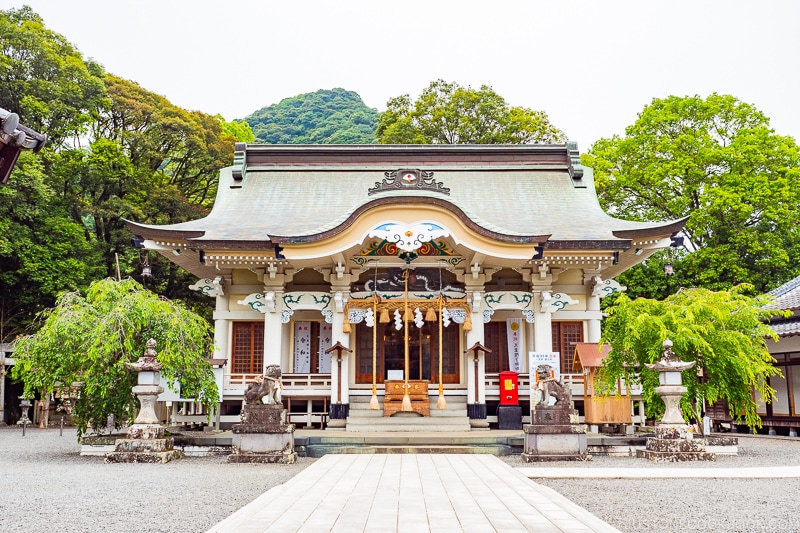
346,326
468,323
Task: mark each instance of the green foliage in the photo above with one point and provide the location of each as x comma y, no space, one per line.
447,113
723,331
90,338
333,116
717,161
238,129
43,252
44,78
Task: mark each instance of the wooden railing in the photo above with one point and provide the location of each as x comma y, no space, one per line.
290,381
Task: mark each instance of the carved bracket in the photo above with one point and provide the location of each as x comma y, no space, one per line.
552,303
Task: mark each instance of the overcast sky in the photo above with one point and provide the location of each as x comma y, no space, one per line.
592,66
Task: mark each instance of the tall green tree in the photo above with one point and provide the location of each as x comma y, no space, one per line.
717,161
447,113
723,331
90,338
43,251
45,79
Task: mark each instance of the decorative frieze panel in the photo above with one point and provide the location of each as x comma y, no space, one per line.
408,179
409,238
520,300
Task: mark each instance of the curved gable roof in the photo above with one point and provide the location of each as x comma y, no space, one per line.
519,193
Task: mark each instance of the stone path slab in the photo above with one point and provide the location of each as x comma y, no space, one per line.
411,493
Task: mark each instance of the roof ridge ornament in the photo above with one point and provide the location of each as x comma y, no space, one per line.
408,179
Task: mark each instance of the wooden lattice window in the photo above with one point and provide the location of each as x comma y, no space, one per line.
495,335
565,336
248,348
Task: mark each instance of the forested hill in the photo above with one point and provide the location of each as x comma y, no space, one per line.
333,116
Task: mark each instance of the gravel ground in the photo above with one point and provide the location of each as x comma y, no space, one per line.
704,505
47,486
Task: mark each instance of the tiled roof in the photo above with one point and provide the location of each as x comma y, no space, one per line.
514,192
787,296
787,328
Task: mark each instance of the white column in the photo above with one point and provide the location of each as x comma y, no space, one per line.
592,305
476,334
222,327
542,325
337,335
530,334
273,330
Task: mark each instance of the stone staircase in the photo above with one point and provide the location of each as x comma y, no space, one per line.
364,419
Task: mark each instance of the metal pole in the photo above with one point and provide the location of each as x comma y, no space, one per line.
61,429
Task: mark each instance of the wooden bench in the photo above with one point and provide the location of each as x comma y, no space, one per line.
417,391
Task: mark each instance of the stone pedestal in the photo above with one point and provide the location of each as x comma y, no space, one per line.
509,417
675,443
263,436
146,442
553,437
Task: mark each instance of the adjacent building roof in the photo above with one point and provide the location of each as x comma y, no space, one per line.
590,355
295,194
787,297
14,137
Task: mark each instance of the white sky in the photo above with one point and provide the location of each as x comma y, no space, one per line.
592,66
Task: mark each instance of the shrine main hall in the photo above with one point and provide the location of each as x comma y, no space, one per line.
378,275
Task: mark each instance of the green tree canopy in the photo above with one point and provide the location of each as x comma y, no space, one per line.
45,79
447,113
90,338
717,161
334,116
724,332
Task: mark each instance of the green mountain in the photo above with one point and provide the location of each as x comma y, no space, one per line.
333,116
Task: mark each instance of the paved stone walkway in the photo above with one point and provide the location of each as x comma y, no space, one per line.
411,493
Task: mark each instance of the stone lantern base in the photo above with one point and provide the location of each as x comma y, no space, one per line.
675,443
263,436
146,443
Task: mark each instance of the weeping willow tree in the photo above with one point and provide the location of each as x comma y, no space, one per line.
724,331
90,338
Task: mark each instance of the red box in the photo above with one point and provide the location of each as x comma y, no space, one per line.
509,388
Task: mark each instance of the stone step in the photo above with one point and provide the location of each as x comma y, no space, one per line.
420,424
435,413
318,450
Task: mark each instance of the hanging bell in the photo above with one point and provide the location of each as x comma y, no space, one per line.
430,316
384,319
408,316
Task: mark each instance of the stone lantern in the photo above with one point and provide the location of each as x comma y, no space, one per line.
23,421
673,441
670,381
146,442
